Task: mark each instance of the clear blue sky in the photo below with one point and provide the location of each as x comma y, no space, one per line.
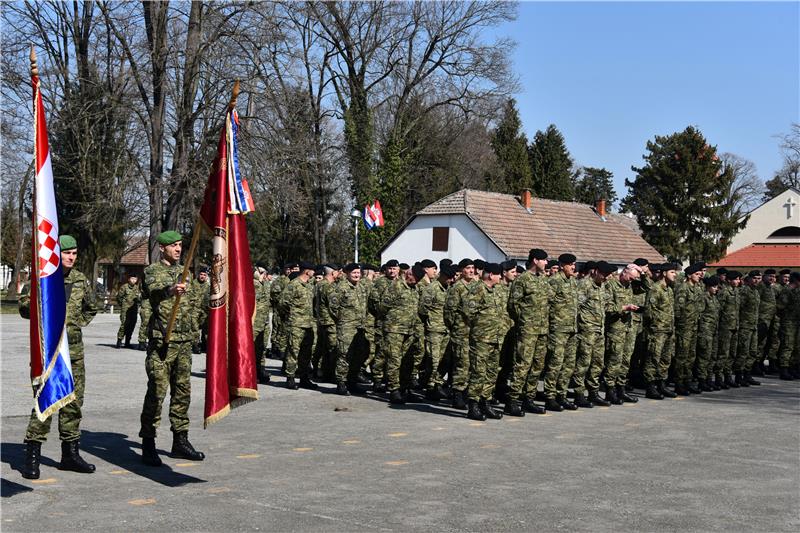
611,76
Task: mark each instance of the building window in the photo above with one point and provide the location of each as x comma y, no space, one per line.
786,231
441,237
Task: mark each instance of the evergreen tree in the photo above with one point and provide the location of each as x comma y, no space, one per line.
679,198
510,145
593,184
551,165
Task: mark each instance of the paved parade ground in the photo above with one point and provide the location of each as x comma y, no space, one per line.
315,461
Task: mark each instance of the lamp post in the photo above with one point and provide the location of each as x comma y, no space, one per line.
356,214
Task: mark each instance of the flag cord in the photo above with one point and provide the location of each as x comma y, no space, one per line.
198,229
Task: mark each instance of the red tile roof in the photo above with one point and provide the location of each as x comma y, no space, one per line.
557,227
763,255
135,253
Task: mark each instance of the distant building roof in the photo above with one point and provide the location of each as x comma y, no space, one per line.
135,253
763,255
557,227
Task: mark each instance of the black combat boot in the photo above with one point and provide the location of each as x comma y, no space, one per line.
341,389
623,395
474,411
529,407
612,397
706,385
378,387
33,454
581,401
680,389
458,400
551,404
71,458
149,454
433,395
758,369
183,449
749,380
741,380
652,392
694,387
489,411
291,383
119,344
306,383
595,398
785,374
719,382
354,388
514,408
731,382
263,376
396,397
665,392
566,404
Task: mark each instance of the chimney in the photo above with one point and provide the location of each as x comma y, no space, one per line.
601,208
525,199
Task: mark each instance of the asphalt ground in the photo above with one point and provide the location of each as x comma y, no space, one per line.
314,461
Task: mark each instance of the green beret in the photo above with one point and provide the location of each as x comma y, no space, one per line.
67,242
169,237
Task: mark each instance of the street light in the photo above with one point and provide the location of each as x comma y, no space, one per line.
356,214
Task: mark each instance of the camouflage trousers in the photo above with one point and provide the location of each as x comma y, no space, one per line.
435,347
773,343
326,351
529,358
127,322
589,360
351,352
418,348
506,365
620,345
370,332
562,348
144,320
706,354
767,337
746,350
685,351
378,363
173,372
484,360
300,348
660,347
788,355
260,339
399,359
727,340
459,367
280,335
69,416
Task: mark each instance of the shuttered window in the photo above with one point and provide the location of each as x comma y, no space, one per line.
441,238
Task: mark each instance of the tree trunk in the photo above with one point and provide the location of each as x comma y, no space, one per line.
18,261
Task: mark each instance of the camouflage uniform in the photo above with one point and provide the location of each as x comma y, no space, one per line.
458,324
788,306
82,306
660,327
528,305
621,332
747,350
128,297
688,300
167,366
708,323
562,341
482,306
200,295
774,336
592,302
297,305
374,308
261,322
369,323
348,307
398,306
506,365
431,309
325,354
727,332
766,317
144,319
279,336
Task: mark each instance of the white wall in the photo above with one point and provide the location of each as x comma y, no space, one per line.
466,240
771,216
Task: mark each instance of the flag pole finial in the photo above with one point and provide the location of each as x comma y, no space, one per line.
235,95
34,65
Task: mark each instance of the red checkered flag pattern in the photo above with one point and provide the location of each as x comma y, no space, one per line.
49,251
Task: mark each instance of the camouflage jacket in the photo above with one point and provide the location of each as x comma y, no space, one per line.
297,303
640,289
749,302
398,306
564,304
709,316
481,306
688,301
529,302
322,311
789,305
619,296
660,309
592,304
158,278
431,307
503,294
454,318
348,305
129,296
200,294
375,295
728,308
276,293
263,305
767,302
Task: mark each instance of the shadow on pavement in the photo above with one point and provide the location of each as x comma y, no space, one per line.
13,454
9,488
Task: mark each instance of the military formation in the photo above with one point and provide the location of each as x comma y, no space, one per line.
471,334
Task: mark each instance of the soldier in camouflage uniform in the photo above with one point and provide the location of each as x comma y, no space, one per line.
144,319
728,330
168,364
431,310
348,307
391,271
279,336
773,345
325,354
659,318
458,325
128,297
528,306
788,306
483,307
688,300
562,339
747,351
707,326
593,300
200,294
636,344
261,285
766,318
621,331
506,365
81,309
297,306
398,307
368,275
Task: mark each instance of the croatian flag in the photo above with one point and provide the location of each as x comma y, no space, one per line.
373,215
51,371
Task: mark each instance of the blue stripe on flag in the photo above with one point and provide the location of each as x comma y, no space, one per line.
242,203
59,384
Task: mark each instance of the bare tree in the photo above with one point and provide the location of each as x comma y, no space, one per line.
747,188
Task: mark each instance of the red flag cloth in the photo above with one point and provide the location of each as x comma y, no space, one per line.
230,357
